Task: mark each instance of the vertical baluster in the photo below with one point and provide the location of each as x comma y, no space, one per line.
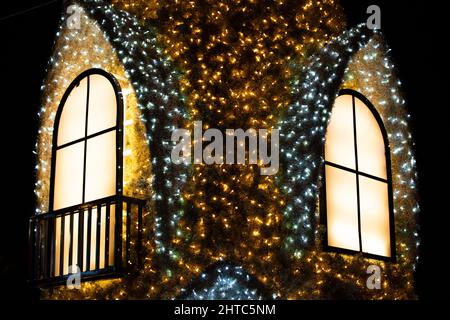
139,236
80,239
49,247
61,246
118,235
128,242
37,255
31,247
88,240
107,224
71,237
97,236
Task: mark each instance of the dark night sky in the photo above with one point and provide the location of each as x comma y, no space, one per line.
411,28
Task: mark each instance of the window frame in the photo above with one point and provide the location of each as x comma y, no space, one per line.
357,173
118,128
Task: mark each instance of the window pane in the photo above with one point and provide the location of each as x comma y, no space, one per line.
101,166
339,145
102,104
73,117
374,210
371,154
342,210
69,176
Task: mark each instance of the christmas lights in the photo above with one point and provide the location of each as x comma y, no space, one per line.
235,64
358,59
224,281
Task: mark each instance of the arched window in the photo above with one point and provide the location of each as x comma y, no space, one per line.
86,168
87,141
357,199
91,223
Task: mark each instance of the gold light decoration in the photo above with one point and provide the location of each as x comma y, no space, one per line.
236,59
93,50
239,61
370,72
382,87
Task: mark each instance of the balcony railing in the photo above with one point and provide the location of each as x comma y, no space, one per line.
102,238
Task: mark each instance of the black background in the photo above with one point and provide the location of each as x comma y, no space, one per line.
414,31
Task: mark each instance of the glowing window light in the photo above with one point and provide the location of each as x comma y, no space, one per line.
356,179
85,165
85,156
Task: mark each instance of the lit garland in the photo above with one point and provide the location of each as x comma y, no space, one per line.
93,51
245,64
224,281
302,138
154,110
237,58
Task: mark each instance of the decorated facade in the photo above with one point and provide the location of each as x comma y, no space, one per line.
114,208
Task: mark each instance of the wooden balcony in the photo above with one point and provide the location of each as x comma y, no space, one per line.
103,238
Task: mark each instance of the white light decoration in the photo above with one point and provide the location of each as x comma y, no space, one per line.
224,282
359,60
154,102
296,267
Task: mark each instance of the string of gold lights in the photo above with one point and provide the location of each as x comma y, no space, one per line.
238,64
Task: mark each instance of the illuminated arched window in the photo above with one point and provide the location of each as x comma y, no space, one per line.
358,187
86,170
86,141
